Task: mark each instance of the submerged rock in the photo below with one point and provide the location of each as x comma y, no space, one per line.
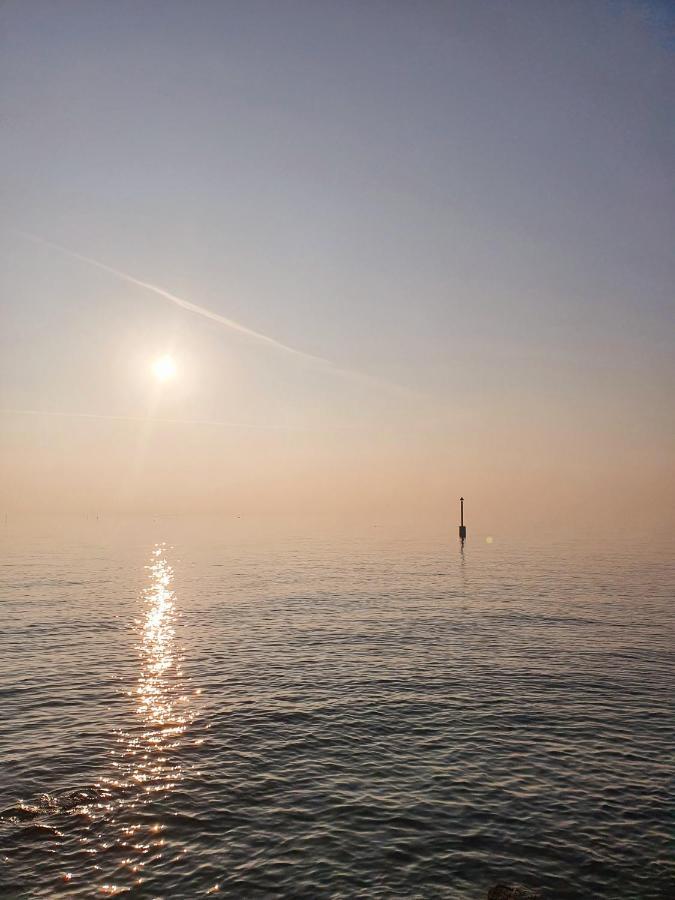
512,892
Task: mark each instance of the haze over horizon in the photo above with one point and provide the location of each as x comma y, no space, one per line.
396,252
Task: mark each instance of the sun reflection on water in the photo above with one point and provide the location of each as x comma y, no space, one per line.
148,762
162,703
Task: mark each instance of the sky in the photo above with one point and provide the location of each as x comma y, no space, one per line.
398,252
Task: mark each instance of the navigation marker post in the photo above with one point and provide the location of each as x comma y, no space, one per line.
462,528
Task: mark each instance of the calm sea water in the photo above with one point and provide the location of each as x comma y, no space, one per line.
221,708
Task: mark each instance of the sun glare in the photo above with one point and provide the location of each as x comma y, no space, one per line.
164,368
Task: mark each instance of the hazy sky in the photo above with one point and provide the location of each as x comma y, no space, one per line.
465,208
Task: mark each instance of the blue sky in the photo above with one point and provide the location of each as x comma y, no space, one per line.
471,200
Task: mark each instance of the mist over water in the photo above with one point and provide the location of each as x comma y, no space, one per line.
258,710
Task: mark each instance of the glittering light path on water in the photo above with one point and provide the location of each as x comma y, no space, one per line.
124,816
162,704
148,760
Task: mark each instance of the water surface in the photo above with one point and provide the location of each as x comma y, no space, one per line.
300,711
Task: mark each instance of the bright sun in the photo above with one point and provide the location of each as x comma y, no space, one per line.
164,368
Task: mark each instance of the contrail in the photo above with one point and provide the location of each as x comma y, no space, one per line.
151,420
327,364
185,304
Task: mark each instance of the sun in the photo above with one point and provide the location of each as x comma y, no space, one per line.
164,368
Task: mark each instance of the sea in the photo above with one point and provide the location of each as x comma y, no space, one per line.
267,708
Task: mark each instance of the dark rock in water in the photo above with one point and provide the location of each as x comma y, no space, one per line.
512,892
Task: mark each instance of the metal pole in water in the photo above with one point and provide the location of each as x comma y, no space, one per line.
462,529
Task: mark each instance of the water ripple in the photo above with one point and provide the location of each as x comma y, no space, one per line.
338,719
